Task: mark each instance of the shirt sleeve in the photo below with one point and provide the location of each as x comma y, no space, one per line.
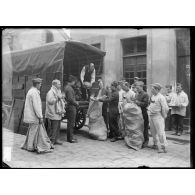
82,74
36,102
186,101
93,77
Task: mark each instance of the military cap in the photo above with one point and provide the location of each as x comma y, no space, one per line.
37,80
56,81
136,78
139,83
157,86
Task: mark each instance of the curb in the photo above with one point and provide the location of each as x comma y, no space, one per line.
178,139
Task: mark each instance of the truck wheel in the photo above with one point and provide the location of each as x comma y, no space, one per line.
80,119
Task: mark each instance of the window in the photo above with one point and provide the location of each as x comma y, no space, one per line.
134,45
134,58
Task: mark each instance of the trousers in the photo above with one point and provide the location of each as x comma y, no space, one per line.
113,124
157,129
146,125
178,120
106,120
168,121
71,117
54,130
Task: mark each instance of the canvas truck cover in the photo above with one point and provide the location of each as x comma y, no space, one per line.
37,60
47,58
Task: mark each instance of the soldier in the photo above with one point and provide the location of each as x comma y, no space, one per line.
71,108
157,112
113,112
179,110
54,102
142,100
121,93
87,77
129,95
133,86
36,137
170,97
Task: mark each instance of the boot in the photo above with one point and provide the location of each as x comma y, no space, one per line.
162,150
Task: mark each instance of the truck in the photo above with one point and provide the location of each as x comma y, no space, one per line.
56,60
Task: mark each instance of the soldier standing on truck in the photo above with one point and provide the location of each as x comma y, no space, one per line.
87,78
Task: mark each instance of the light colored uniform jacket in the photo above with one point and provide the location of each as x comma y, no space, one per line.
158,106
51,101
33,106
182,101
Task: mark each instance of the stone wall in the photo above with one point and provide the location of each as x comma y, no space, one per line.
161,51
29,38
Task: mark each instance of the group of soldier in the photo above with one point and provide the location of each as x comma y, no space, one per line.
160,112
156,109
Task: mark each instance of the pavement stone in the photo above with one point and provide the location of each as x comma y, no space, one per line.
88,153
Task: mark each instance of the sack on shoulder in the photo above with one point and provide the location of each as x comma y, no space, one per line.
60,107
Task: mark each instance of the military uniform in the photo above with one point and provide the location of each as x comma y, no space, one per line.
143,101
113,113
87,76
179,112
157,112
70,111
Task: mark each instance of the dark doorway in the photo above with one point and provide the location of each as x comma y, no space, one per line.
183,64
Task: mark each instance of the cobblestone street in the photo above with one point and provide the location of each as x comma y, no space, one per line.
92,154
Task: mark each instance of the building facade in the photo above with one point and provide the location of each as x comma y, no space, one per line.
155,55
147,53
159,55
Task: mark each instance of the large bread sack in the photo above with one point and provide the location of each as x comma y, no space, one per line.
97,127
134,126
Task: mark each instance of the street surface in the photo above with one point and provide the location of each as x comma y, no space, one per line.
88,153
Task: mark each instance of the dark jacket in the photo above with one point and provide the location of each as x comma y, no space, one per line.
113,102
88,73
143,99
70,96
